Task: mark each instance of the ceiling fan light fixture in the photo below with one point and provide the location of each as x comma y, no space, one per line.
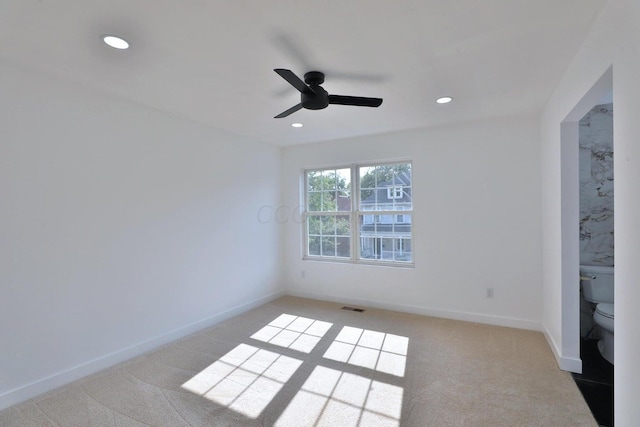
115,42
444,100
296,125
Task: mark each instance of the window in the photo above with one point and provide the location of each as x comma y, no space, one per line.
394,192
360,213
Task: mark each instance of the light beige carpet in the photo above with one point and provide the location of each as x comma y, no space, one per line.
297,362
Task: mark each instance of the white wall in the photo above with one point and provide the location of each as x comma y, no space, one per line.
476,222
613,41
121,228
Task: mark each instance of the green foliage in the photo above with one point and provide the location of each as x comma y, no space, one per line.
324,188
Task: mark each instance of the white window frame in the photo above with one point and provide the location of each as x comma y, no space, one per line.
394,192
354,214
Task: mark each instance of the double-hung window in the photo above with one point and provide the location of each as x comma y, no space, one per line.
361,213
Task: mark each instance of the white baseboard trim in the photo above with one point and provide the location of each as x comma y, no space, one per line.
28,391
570,364
510,322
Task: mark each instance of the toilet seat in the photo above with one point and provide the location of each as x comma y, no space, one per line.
605,310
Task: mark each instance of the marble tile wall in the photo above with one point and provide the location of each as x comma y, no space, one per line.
596,186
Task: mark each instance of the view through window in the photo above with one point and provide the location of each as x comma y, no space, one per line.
360,213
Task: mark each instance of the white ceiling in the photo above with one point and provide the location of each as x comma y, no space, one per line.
212,61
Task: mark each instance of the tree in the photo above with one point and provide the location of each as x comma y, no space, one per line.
329,191
324,188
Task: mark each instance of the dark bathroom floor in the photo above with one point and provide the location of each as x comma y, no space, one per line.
596,382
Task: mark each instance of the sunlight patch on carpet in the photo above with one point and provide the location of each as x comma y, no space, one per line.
245,379
294,332
370,349
333,397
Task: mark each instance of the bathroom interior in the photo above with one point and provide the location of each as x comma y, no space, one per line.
597,262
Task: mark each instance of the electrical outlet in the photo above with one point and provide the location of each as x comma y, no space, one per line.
489,292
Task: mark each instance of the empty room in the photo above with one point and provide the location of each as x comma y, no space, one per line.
342,213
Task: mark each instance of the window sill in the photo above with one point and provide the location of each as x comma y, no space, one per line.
361,262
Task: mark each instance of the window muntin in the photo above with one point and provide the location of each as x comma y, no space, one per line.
367,218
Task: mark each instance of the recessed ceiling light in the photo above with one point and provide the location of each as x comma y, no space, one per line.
115,42
297,125
444,100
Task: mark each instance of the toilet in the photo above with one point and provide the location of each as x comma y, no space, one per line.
597,288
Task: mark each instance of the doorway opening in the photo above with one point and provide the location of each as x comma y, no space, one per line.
587,171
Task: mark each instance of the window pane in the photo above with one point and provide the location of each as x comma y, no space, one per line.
343,193
387,248
368,248
313,224
343,225
328,225
314,245
344,200
315,201
328,246
329,203
343,247
329,179
385,187
314,181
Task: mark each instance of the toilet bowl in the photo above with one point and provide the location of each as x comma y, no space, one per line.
598,288
603,316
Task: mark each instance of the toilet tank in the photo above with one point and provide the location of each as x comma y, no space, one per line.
597,283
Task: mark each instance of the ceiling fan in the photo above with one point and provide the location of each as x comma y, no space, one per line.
314,97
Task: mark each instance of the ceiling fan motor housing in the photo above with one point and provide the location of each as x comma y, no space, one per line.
315,101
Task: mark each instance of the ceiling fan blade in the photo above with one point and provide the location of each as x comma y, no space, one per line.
289,111
359,101
294,80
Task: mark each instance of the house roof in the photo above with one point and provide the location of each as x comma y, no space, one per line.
211,62
381,194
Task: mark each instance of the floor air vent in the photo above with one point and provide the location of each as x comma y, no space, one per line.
359,310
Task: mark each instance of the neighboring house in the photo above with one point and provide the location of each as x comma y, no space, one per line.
387,233
344,203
